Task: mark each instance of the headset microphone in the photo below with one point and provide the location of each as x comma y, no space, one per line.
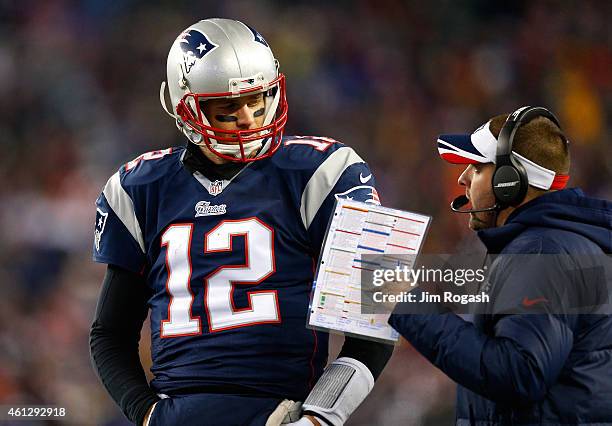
462,200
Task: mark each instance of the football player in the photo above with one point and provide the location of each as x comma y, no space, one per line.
219,238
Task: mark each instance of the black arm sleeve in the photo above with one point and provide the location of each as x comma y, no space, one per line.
113,341
373,354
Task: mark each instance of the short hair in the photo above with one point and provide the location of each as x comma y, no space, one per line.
540,140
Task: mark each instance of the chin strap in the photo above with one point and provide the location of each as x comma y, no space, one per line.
162,99
345,383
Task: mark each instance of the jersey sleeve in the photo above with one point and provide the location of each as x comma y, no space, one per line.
343,174
546,283
118,238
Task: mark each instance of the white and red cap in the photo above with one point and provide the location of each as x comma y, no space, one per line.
481,147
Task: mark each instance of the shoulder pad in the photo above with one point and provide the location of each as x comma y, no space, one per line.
306,152
150,166
317,143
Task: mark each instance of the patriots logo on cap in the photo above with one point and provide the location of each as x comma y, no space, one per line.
258,37
194,45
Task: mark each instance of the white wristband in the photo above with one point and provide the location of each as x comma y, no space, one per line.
345,383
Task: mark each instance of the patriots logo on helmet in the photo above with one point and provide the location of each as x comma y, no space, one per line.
258,37
361,192
194,45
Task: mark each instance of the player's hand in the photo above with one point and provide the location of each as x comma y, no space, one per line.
145,422
286,412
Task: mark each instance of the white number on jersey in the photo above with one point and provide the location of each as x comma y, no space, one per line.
320,143
219,285
177,238
152,155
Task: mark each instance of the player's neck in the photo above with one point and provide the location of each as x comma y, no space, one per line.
195,160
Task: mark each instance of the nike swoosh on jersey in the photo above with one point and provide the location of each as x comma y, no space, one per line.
530,302
365,179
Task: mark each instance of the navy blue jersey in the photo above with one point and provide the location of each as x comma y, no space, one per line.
230,263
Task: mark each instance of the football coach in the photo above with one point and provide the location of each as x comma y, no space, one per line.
531,363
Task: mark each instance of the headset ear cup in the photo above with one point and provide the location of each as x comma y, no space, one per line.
510,182
509,185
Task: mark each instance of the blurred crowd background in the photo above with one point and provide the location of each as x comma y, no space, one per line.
79,96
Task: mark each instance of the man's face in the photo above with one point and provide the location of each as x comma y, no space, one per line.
243,113
477,181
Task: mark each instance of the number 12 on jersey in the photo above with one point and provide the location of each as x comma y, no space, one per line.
219,285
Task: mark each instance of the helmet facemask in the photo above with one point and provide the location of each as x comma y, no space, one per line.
236,145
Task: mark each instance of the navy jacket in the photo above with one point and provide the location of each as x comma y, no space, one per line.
528,369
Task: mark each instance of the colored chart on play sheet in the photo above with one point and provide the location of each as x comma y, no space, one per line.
357,230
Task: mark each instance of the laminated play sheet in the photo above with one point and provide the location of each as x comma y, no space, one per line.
361,238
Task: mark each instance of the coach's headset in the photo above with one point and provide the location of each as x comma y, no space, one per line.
510,182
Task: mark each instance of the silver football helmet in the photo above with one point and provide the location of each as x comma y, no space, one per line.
223,58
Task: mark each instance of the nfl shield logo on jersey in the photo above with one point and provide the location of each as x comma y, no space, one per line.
215,187
100,224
